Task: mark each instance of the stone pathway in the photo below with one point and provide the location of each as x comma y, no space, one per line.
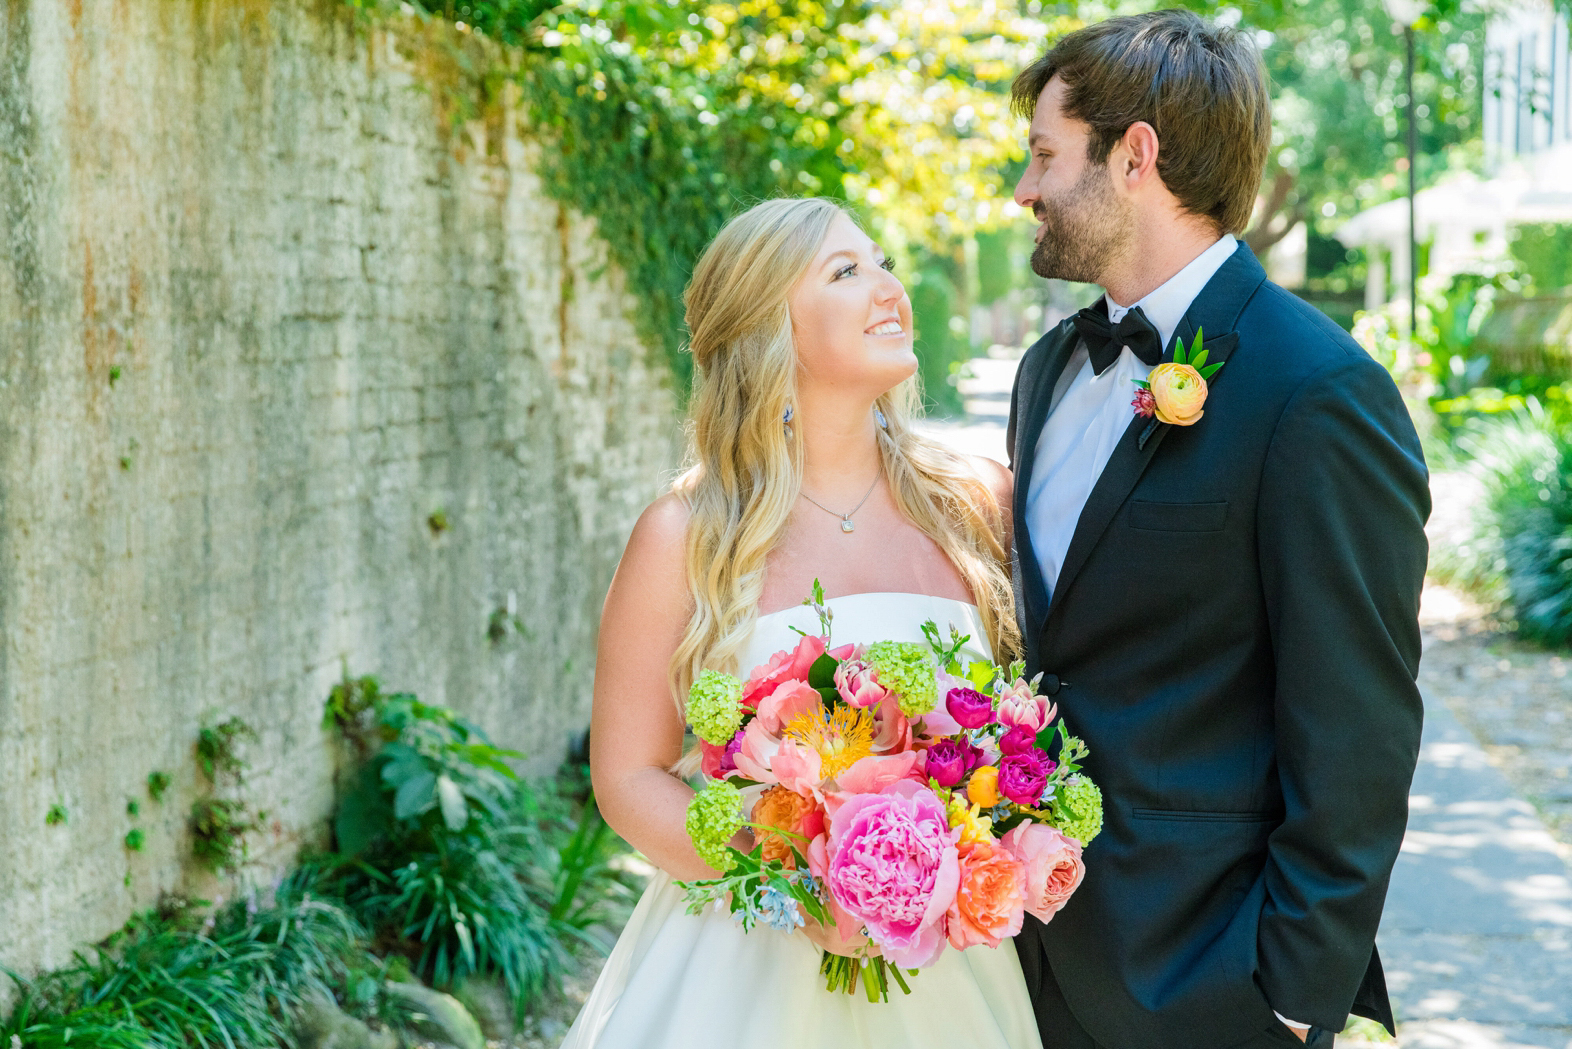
1477,934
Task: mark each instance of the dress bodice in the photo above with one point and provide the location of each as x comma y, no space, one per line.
865,618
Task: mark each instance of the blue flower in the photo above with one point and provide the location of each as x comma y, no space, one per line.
778,910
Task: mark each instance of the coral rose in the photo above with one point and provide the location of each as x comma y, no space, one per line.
988,902
1053,866
891,863
783,666
788,811
1178,392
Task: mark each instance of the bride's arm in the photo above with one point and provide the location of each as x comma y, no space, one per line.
636,734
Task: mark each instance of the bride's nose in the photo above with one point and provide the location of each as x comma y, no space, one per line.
889,289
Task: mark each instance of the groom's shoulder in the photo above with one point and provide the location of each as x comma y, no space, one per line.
1300,341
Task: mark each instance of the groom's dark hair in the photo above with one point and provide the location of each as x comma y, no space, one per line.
1201,86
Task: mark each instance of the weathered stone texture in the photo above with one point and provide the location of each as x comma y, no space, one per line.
264,313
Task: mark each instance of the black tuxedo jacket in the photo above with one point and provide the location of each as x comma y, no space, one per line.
1236,633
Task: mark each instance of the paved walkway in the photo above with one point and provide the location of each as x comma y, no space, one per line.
1477,935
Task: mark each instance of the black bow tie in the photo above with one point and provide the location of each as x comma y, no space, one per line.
1104,340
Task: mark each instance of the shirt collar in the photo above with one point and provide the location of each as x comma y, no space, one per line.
1166,305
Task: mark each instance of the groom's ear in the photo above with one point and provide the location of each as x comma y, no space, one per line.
1134,159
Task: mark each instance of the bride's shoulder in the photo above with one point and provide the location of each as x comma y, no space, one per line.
660,534
994,474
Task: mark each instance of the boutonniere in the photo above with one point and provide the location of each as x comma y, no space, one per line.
1176,389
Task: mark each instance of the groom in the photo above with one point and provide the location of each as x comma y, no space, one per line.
1223,604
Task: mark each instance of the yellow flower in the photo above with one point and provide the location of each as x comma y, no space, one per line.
983,788
841,739
975,827
1179,392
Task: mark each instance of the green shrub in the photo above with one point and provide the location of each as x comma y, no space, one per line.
177,978
456,864
1520,554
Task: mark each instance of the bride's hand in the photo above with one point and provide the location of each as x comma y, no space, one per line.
829,938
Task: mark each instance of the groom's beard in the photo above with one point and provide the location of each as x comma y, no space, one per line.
1084,230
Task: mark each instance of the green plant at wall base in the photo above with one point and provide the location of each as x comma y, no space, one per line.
176,978
157,783
438,521
56,815
136,838
348,700
133,808
217,748
218,832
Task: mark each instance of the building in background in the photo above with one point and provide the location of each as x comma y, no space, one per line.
1528,160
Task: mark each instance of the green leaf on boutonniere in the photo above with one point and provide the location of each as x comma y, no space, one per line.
1142,383
1211,369
1198,360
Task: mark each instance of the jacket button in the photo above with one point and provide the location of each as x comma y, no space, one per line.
1050,685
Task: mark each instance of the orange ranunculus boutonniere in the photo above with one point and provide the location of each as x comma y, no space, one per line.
1176,389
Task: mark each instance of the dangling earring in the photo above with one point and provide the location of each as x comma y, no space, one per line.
786,420
884,424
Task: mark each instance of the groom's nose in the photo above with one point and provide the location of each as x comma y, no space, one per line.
1026,191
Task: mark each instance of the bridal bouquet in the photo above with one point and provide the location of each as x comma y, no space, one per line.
904,801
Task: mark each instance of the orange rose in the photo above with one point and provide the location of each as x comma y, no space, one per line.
1179,392
989,904
983,788
783,809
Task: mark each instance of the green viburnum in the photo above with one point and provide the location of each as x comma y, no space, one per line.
906,668
714,815
715,707
1080,810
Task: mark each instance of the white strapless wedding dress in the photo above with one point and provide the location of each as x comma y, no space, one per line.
681,981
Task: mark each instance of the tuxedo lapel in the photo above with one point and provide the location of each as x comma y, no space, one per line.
1036,392
1217,310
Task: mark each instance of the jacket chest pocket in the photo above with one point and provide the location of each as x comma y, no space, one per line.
1177,517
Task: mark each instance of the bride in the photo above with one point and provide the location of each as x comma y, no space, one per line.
804,466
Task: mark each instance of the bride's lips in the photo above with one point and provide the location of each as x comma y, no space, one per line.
898,328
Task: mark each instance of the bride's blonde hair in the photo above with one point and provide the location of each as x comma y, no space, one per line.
745,470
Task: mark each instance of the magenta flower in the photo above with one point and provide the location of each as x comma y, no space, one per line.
892,865
1023,777
1018,740
950,760
969,707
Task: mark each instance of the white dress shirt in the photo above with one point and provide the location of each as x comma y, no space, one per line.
1089,413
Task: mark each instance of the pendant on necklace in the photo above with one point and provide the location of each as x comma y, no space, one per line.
846,524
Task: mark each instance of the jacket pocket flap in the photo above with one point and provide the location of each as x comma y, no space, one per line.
1178,517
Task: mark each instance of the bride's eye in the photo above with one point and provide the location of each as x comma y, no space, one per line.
846,270
887,264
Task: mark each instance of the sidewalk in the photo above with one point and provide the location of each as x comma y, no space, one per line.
1477,934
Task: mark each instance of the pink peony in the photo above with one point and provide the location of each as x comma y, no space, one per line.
858,685
787,701
969,707
1053,866
1024,776
892,864
1019,706
988,902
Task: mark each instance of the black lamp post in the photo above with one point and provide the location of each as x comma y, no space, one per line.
1407,13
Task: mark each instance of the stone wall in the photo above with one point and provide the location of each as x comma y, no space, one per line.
299,374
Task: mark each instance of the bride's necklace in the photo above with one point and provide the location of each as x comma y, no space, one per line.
846,519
